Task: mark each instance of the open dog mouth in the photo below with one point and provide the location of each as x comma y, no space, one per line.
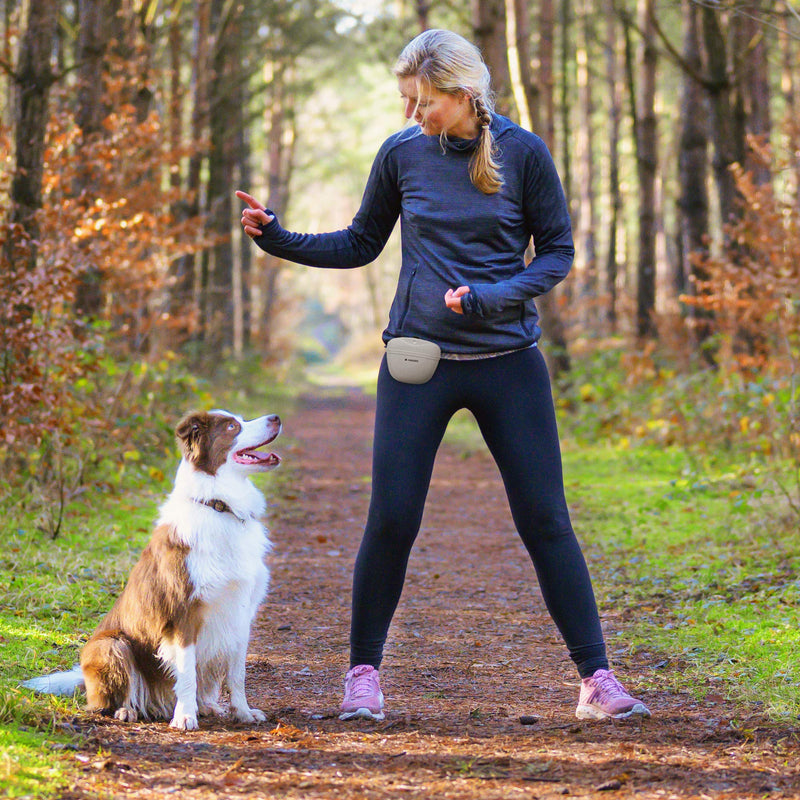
253,456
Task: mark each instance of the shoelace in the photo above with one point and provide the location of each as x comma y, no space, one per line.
607,686
361,683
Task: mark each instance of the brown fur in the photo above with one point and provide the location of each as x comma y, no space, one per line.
153,607
206,439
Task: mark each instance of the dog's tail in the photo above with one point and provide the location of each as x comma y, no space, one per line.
62,683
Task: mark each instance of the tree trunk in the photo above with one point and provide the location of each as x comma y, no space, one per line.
176,92
586,217
727,135
8,104
34,77
100,25
548,304
280,154
245,249
692,154
546,127
488,28
789,88
221,169
615,194
647,162
422,8
187,274
524,89
565,95
756,87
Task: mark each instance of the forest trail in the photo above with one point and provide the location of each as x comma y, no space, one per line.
471,651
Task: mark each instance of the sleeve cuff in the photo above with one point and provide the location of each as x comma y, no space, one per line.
471,304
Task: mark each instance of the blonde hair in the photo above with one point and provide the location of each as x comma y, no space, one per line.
448,62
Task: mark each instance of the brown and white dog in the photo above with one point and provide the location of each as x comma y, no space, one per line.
180,628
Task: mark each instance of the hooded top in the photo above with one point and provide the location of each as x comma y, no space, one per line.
454,235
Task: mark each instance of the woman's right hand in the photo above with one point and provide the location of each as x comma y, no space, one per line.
253,217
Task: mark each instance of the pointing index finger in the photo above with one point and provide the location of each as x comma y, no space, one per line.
250,200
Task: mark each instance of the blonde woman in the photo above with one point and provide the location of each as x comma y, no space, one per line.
471,189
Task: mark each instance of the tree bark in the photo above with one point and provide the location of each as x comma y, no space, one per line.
727,134
280,156
692,154
756,86
186,273
523,87
586,217
245,249
34,77
488,29
100,26
789,87
221,170
422,8
647,163
547,94
615,193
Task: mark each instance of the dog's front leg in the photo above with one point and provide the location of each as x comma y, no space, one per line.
185,715
240,709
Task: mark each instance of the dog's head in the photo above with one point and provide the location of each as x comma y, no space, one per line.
210,440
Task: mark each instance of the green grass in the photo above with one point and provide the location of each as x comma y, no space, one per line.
52,594
32,766
700,566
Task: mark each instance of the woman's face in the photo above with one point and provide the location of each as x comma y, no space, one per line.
437,111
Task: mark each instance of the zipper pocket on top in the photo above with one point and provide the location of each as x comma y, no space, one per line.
407,300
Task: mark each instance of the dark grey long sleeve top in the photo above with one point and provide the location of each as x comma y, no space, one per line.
454,235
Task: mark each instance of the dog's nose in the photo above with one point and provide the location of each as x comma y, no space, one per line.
274,419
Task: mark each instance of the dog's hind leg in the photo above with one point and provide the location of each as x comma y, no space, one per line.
208,686
110,673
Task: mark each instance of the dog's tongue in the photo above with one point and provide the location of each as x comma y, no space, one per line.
254,456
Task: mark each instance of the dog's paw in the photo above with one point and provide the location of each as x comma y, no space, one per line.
248,715
184,722
210,708
126,714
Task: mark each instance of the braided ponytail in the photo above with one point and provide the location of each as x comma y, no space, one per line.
451,64
484,171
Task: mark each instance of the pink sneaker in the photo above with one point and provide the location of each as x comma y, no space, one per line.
603,696
362,694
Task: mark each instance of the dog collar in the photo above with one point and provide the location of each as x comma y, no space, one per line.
221,506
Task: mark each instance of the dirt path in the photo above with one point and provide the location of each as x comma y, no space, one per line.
470,652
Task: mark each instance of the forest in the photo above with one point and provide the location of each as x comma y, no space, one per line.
130,294
127,127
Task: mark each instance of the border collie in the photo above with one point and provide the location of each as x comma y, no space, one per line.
180,629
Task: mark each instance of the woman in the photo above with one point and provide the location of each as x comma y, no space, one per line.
470,188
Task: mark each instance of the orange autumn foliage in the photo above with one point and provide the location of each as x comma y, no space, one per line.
752,290
108,213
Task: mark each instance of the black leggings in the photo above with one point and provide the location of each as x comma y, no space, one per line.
511,400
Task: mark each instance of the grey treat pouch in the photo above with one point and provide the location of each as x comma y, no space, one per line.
412,360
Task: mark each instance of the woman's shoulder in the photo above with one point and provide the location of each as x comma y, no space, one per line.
410,134
505,129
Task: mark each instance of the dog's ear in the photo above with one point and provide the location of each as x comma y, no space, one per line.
189,432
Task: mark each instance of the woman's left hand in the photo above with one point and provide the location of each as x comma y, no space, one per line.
453,297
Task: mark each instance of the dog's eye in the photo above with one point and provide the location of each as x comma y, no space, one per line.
232,426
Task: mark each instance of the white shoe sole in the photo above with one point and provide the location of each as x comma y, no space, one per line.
591,712
362,713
